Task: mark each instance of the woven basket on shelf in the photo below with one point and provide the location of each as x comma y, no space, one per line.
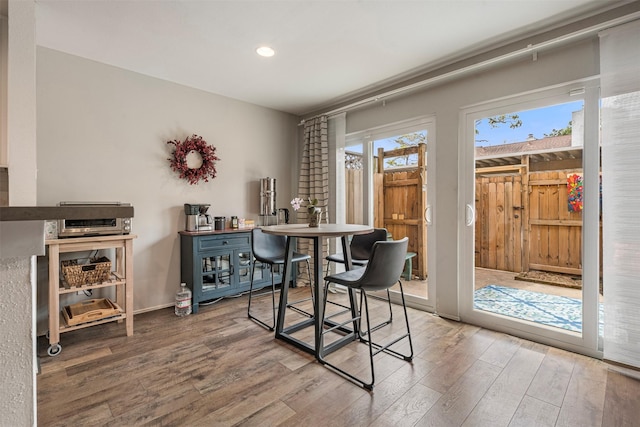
97,271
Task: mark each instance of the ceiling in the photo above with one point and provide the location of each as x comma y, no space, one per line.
326,51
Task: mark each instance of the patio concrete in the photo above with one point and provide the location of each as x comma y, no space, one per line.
486,277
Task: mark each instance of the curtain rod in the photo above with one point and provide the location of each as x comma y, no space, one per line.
530,49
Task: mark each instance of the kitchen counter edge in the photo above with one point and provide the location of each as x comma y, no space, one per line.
43,213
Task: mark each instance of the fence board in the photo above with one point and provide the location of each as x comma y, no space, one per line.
517,230
500,225
492,220
564,223
484,243
378,197
554,206
575,243
508,226
543,249
476,227
353,180
484,254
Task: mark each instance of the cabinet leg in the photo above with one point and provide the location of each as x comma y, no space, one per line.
128,293
54,294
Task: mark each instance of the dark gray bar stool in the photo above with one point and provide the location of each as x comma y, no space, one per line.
382,272
270,249
361,246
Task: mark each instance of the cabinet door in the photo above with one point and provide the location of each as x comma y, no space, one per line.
244,262
217,271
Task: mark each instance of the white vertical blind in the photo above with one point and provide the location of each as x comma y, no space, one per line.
620,91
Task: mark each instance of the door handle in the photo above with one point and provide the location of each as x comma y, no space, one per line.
470,215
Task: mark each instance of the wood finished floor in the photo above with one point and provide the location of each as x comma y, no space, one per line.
218,368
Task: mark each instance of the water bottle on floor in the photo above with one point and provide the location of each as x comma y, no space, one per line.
183,301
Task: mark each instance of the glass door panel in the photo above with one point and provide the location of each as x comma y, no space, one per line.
387,179
401,186
244,267
523,224
216,271
528,229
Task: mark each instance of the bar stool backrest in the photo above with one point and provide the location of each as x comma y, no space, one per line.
385,265
362,244
267,248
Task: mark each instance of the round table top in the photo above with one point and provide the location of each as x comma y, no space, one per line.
323,230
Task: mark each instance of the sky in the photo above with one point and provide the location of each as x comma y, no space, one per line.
536,122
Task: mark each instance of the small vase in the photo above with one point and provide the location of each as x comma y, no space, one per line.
314,218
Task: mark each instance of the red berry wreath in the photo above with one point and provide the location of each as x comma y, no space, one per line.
179,160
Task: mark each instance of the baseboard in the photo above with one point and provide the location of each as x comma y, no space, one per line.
621,368
157,307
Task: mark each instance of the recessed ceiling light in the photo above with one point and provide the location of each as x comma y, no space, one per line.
265,51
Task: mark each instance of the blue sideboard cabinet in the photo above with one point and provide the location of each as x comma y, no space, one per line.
216,264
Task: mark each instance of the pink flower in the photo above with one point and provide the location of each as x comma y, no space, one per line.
312,205
296,203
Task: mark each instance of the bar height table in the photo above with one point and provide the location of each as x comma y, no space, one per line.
294,231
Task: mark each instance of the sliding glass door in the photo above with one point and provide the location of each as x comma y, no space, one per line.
527,228
387,181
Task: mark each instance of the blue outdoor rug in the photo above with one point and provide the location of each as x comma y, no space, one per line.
552,310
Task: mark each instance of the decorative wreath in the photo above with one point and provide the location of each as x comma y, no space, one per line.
179,160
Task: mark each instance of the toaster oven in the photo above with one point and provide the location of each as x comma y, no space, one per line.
94,226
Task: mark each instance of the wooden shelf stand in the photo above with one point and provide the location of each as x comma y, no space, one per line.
121,278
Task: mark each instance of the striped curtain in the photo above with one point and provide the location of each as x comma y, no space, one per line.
313,182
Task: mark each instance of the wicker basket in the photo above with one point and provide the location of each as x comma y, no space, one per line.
96,271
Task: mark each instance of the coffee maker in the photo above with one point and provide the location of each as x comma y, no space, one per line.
197,218
191,213
205,221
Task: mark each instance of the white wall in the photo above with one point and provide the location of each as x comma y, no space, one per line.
446,101
17,324
4,47
21,104
102,136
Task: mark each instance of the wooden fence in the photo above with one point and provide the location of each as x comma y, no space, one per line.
523,220
555,242
399,201
402,213
499,220
354,190
524,223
